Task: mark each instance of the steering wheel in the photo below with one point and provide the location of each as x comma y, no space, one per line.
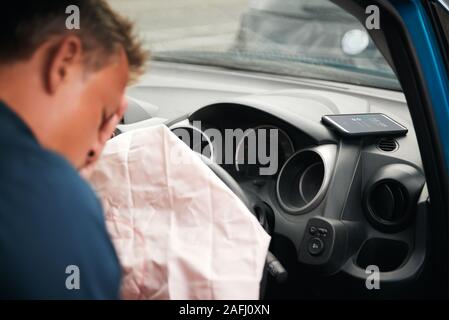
272,265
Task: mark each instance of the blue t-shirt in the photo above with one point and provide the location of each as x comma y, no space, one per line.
53,239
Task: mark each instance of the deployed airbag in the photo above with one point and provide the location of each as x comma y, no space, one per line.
179,232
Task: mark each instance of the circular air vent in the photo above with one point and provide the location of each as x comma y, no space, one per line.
391,195
387,144
387,203
301,180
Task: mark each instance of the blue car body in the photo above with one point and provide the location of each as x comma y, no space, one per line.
433,67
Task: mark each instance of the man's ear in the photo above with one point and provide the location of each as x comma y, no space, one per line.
64,57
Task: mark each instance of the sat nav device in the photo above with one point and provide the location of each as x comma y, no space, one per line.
364,124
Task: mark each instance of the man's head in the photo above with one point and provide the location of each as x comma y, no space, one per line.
66,83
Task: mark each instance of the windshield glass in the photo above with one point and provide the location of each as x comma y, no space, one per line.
300,38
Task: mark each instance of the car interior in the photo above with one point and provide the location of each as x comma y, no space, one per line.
336,205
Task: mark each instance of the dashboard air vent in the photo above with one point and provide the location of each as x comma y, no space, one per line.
387,202
391,195
387,144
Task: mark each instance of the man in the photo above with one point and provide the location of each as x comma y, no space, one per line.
61,95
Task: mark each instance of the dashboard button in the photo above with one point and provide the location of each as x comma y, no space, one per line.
322,231
315,246
313,230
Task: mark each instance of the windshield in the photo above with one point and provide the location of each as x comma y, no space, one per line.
300,38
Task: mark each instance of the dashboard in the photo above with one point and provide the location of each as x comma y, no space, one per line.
335,206
338,201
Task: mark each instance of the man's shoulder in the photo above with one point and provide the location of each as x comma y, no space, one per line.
57,175
43,176
52,219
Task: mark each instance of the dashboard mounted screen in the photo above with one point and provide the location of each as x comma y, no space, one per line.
364,124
